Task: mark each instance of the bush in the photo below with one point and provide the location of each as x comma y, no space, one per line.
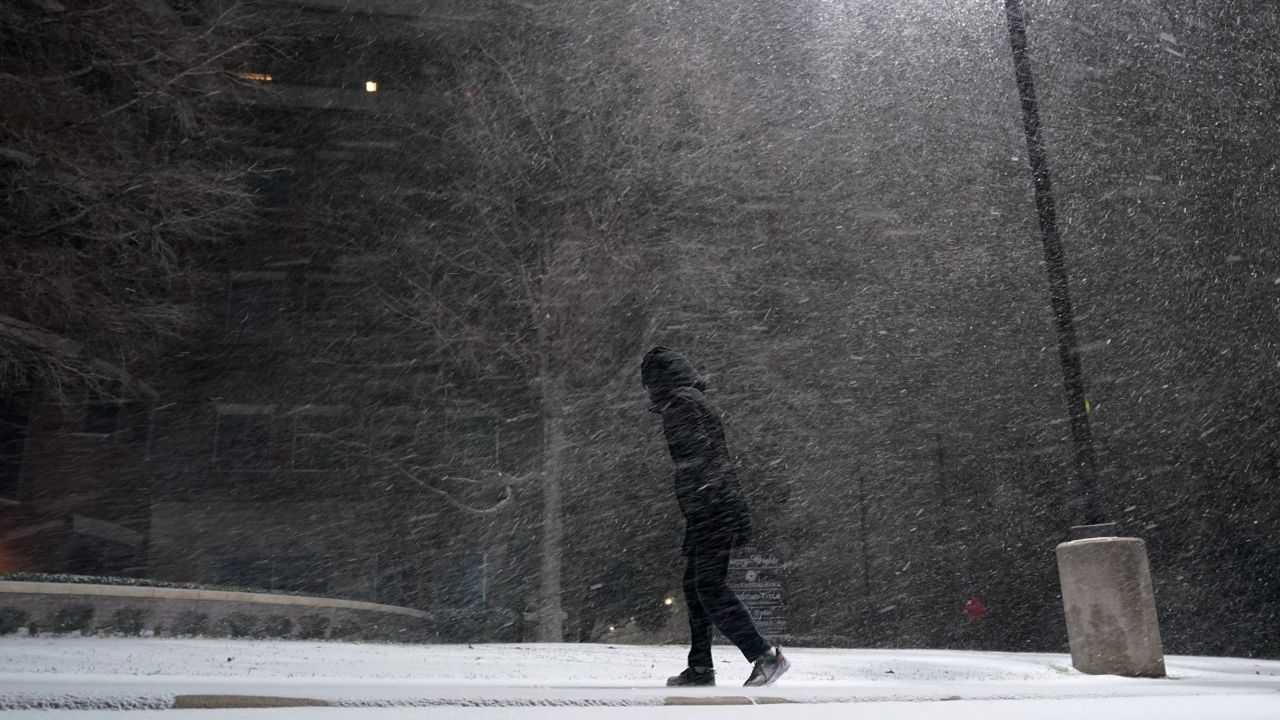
313,627
190,622
351,630
276,626
239,625
478,625
72,618
417,634
12,620
129,621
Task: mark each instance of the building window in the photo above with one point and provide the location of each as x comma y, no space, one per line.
302,573
473,442
242,437
105,411
256,301
400,386
252,573
465,581
15,416
396,581
129,420
144,416
102,417
330,302
272,188
307,573
156,419
99,547
319,438
401,438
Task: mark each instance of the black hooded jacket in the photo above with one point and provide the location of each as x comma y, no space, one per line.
713,504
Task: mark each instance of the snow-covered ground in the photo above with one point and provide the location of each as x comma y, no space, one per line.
97,677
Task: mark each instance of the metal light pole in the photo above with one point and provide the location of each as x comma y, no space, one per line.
1059,288
866,555
1106,585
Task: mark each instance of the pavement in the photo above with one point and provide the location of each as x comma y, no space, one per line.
246,679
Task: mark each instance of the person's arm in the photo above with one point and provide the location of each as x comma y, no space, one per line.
684,421
694,440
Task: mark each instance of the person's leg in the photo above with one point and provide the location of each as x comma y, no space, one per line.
700,628
711,580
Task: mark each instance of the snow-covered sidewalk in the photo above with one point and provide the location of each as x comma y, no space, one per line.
575,682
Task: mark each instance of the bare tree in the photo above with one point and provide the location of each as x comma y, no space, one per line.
572,170
112,173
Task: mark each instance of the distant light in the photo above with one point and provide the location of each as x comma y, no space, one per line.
255,76
370,86
611,628
669,601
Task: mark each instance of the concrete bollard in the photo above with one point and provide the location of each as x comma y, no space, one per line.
1110,607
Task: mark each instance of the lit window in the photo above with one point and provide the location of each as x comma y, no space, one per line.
370,86
255,76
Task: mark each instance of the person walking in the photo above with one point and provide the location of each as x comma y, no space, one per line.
717,520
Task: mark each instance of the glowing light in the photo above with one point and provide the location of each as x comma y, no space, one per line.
11,560
611,628
669,601
370,86
255,76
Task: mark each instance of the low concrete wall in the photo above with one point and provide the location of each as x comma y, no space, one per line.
181,594
68,607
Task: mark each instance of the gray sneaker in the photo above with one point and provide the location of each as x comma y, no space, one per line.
768,669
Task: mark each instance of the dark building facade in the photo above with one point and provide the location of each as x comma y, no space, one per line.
311,439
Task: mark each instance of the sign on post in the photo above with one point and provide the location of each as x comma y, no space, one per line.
757,577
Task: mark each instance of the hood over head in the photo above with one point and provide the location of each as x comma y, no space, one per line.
663,370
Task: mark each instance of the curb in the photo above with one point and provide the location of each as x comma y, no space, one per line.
725,700
242,702
229,701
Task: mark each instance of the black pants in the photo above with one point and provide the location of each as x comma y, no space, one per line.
706,590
